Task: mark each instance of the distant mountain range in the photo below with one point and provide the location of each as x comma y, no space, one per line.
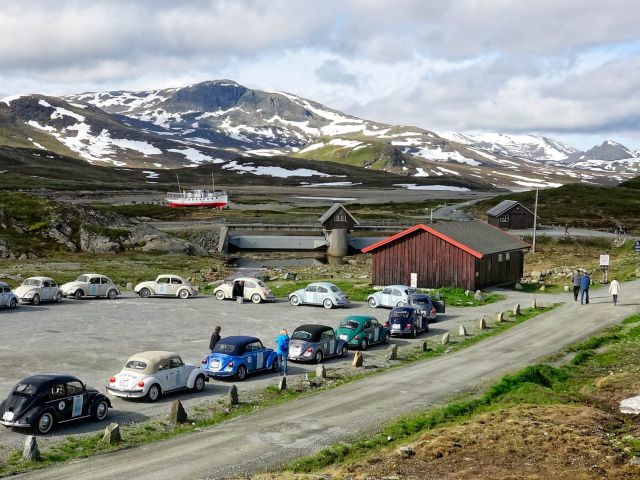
247,131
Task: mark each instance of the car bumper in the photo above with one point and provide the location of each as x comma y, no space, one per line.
17,424
399,333
218,373
119,392
300,357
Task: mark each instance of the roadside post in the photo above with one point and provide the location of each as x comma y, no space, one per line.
604,266
636,246
414,280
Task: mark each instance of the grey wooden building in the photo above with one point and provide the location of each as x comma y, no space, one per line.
336,224
510,214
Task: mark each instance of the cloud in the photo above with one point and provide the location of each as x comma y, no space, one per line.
335,71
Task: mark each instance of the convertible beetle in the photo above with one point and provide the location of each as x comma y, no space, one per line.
150,374
360,331
315,343
238,356
44,399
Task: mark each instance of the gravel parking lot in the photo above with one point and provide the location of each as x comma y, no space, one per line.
92,338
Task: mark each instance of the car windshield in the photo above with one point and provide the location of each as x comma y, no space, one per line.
25,390
400,315
136,365
301,335
82,278
224,348
31,282
335,289
351,324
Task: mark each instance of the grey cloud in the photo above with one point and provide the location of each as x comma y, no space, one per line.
335,71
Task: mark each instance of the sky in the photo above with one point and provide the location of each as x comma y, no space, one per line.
566,69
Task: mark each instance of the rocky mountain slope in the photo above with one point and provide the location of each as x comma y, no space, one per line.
233,128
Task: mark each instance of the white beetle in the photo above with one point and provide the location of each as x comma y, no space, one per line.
90,285
247,287
167,286
151,374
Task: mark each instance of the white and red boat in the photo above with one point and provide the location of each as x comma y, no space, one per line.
197,198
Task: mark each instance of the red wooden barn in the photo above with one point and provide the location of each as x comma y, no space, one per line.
470,255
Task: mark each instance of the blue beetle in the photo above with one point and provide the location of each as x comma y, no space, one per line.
238,356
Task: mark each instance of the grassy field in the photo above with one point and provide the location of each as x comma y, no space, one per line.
544,421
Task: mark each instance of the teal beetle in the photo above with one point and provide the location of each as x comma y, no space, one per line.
360,331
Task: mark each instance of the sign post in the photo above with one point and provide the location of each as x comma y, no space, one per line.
604,266
636,246
414,280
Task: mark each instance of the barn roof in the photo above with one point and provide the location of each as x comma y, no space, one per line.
505,206
335,207
476,238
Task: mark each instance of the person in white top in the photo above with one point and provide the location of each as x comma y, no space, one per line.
614,289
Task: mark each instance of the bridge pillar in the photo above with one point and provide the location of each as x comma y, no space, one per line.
338,246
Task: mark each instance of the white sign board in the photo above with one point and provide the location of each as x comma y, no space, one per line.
414,280
604,260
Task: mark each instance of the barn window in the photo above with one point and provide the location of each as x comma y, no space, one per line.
499,257
504,218
340,217
507,257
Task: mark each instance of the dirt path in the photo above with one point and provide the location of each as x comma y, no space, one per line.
276,435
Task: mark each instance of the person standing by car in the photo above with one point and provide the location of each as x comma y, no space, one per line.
576,284
614,289
282,350
215,337
585,282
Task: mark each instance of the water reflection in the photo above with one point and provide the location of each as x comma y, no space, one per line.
248,261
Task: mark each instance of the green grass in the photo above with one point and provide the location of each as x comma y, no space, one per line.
535,385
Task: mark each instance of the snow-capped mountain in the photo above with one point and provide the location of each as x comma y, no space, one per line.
226,124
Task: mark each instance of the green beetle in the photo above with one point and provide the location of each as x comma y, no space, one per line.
360,331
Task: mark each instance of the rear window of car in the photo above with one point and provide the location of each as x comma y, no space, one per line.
261,284
335,289
401,314
224,348
25,390
136,365
301,335
351,324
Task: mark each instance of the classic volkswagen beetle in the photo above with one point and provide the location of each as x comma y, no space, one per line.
315,343
7,297
407,321
165,286
428,307
246,287
236,356
90,285
150,374
360,331
319,293
38,289
44,399
391,296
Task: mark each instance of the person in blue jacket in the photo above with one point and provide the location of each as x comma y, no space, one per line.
282,350
585,282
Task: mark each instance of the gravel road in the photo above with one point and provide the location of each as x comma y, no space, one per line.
276,435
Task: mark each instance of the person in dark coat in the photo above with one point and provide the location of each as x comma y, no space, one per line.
576,284
585,282
215,337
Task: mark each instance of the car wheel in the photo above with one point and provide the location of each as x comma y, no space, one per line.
256,298
387,338
144,293
344,351
433,314
295,300
36,299
13,303
327,303
79,294
220,295
274,365
100,411
400,304
58,298
44,424
364,344
112,294
414,332
154,393
241,374
318,357
198,385
184,293
372,302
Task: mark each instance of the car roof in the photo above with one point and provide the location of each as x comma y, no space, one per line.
404,308
92,275
38,278
313,328
417,294
400,287
238,340
153,357
359,318
323,284
44,379
242,279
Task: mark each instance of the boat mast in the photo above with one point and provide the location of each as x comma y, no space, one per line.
178,178
213,185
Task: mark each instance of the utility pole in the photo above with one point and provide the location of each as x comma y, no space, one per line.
535,222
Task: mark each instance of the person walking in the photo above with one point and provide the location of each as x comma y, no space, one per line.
614,289
575,279
215,337
282,350
585,282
